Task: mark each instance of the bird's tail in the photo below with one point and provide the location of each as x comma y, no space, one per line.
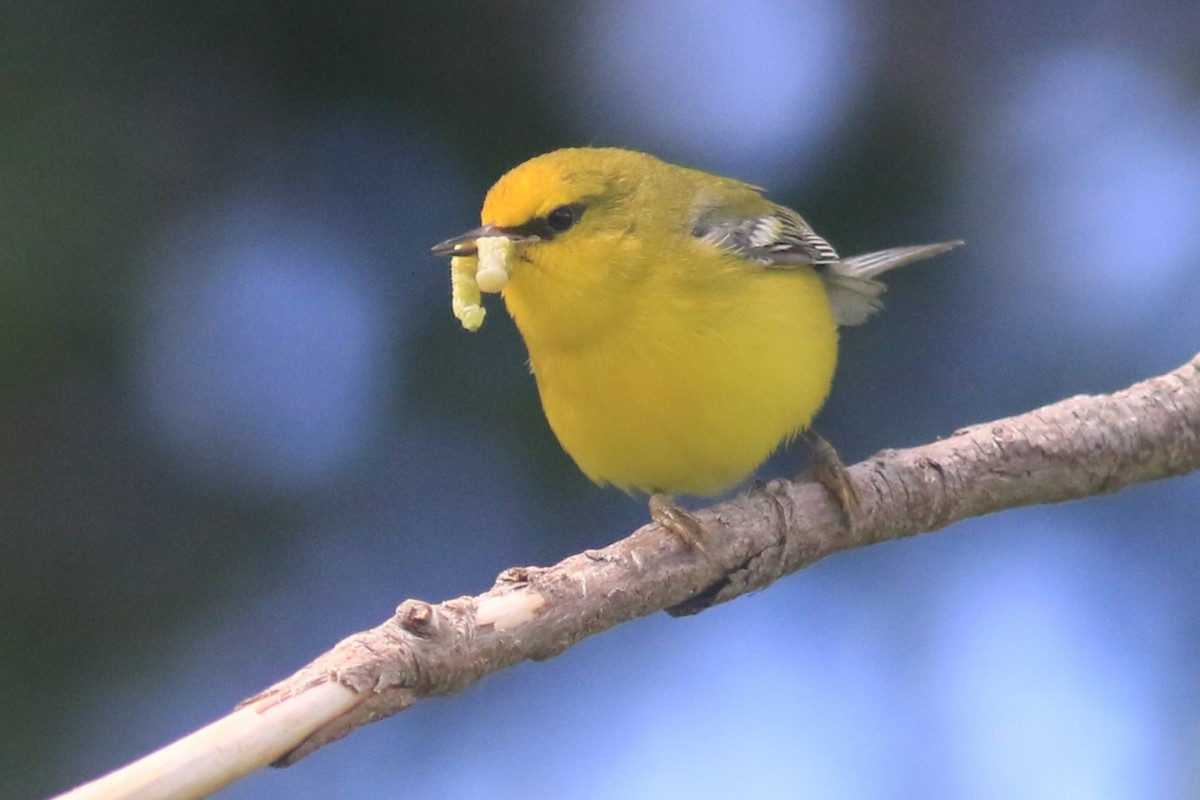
853,290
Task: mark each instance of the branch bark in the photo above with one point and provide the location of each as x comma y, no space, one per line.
1075,448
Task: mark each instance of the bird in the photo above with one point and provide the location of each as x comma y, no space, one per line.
680,326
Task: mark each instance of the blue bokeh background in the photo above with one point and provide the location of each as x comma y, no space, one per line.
238,421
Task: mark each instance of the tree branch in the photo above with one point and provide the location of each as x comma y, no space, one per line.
1081,446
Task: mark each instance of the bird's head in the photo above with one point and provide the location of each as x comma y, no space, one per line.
572,217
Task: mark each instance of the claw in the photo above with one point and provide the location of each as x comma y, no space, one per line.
830,472
678,520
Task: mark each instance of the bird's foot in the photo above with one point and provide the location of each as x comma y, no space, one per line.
829,471
678,520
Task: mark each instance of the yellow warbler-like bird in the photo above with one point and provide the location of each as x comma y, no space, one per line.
680,326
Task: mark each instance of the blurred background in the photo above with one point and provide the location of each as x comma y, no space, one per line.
238,421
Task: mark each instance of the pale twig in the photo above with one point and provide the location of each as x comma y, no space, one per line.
1078,447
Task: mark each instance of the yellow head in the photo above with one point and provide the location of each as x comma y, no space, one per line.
589,226
527,194
572,216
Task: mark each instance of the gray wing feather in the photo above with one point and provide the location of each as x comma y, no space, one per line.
779,239
783,239
853,291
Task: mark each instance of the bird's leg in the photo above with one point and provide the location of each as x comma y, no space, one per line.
829,471
678,520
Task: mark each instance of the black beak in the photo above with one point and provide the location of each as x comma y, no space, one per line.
464,244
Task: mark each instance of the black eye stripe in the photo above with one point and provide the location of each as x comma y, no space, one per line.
556,221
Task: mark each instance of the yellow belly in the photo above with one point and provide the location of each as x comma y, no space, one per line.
688,397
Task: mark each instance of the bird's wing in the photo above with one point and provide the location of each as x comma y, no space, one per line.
853,291
779,238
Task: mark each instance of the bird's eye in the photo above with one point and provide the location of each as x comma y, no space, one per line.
563,217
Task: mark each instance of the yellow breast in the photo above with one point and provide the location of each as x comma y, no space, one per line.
681,376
